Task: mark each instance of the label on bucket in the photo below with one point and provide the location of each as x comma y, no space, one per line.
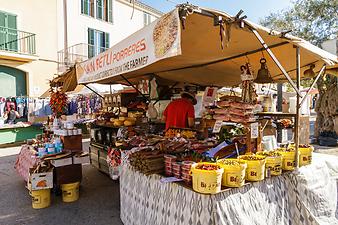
209,186
234,179
274,169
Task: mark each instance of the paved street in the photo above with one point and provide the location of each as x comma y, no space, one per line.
98,204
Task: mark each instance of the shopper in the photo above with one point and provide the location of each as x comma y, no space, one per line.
11,115
180,113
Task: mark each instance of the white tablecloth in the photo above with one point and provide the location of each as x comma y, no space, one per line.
308,196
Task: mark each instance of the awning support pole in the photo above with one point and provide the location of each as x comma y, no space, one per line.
93,90
313,84
266,47
133,86
297,109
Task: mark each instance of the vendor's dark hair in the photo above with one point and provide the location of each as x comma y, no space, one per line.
185,95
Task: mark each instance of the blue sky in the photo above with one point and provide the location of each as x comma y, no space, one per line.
254,9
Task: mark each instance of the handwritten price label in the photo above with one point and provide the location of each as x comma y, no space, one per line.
217,126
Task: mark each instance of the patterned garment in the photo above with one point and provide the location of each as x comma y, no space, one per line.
26,159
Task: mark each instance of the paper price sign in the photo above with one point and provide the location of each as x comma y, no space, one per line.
254,130
217,126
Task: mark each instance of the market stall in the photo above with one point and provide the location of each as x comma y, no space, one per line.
174,50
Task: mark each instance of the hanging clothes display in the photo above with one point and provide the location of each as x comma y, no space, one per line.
84,105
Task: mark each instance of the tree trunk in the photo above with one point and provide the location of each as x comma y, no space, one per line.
327,104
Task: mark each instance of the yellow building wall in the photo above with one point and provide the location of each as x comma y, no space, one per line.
38,17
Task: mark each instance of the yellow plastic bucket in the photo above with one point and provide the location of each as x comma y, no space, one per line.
234,172
70,192
206,181
305,156
273,163
288,161
256,168
40,198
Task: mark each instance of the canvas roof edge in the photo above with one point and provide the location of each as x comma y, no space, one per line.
68,78
320,54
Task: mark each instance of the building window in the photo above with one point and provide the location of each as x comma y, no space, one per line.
8,32
87,7
146,18
98,42
104,10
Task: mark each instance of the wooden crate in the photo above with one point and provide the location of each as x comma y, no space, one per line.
68,174
72,143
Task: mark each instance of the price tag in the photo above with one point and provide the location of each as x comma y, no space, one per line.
217,126
254,130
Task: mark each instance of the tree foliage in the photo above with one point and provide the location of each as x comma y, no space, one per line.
313,20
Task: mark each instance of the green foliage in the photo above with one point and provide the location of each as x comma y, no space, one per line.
313,20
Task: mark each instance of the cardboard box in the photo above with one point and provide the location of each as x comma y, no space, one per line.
72,143
67,174
78,159
62,162
41,181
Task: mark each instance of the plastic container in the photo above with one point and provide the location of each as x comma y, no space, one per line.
168,170
288,160
51,150
170,158
186,171
305,156
177,174
70,192
168,164
206,181
41,198
234,172
175,170
176,166
187,164
273,165
255,168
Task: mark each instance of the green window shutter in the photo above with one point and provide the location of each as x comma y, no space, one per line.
91,43
2,19
3,31
99,9
12,33
84,6
110,11
106,40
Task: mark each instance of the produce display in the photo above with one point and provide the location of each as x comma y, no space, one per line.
208,167
177,132
208,158
147,161
233,111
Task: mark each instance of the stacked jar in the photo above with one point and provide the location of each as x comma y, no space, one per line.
168,160
176,169
186,171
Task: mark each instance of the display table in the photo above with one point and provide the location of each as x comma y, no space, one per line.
306,197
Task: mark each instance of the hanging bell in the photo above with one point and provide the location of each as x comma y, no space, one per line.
263,74
309,73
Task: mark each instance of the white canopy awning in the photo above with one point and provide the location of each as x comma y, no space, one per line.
193,53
